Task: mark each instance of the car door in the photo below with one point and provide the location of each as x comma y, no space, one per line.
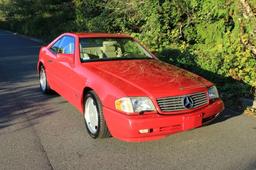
65,67
50,64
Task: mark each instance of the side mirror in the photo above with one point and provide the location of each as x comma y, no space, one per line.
67,58
60,50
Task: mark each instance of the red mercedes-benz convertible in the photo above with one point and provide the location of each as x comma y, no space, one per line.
122,89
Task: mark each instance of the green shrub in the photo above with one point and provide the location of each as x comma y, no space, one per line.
210,38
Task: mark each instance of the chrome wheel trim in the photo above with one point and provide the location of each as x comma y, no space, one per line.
43,79
91,115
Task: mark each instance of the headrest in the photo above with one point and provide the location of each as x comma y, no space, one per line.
109,43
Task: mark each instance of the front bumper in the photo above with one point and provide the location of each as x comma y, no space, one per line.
127,128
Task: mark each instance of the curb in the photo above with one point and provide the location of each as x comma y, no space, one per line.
37,40
28,37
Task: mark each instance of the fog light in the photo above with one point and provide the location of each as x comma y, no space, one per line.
144,130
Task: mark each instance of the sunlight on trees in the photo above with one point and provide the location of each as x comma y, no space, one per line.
215,36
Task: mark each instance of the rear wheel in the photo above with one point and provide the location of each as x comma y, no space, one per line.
93,116
44,86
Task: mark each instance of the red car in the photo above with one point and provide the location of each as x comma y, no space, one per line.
122,89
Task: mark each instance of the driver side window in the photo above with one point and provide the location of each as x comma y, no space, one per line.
64,45
56,46
67,45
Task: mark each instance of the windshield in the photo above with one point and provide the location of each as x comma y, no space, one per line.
95,49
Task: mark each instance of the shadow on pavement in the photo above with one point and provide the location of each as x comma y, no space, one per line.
26,102
21,99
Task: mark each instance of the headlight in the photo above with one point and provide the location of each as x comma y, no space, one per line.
213,93
134,104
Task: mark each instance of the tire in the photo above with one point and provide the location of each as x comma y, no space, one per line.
93,116
44,86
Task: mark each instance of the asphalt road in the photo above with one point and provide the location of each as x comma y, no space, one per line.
46,132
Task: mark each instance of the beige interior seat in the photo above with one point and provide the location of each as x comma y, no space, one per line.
111,49
91,53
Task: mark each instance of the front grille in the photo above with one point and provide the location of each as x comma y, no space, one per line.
176,103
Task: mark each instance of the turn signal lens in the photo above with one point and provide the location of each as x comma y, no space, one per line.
124,104
144,131
134,104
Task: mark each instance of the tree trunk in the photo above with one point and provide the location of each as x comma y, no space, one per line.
248,14
247,9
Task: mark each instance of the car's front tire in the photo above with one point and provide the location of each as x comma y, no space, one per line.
93,116
44,86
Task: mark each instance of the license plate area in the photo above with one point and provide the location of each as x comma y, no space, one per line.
192,121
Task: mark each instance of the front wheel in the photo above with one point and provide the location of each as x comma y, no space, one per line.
93,116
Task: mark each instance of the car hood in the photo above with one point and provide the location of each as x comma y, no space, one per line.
151,76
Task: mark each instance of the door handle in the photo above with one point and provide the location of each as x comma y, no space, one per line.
49,61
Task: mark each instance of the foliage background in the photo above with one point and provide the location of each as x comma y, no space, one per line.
215,39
